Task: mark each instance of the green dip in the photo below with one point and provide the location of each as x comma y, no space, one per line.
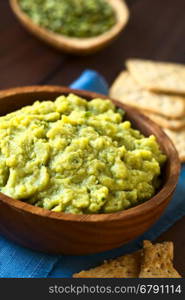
74,18
76,156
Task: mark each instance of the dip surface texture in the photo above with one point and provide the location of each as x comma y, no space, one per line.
76,156
74,18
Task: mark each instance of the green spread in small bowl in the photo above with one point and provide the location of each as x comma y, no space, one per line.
76,156
73,18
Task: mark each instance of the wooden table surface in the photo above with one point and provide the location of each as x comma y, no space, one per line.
156,30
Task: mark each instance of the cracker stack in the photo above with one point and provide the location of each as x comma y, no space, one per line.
153,261
158,90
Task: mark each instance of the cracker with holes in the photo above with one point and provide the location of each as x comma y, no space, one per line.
178,138
158,76
173,124
127,266
126,89
157,261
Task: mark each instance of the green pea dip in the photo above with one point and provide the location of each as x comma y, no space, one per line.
73,18
77,156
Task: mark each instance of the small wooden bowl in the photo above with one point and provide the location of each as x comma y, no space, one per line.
75,45
53,232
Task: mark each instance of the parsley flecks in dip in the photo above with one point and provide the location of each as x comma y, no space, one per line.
76,156
74,18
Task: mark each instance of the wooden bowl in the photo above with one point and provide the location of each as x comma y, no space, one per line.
75,45
53,232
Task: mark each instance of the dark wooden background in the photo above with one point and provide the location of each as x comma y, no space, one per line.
156,30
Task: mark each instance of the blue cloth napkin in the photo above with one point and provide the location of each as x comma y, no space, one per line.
18,262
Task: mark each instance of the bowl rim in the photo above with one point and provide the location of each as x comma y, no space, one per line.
155,201
83,44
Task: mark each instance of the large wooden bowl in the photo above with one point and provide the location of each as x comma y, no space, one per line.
75,45
53,232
